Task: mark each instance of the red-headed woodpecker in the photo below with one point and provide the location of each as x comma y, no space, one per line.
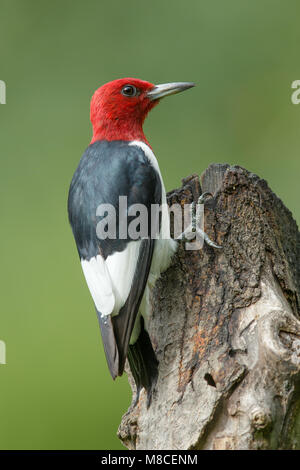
119,271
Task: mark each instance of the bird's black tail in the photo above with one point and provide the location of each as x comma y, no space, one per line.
143,364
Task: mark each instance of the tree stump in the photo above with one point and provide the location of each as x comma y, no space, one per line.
225,327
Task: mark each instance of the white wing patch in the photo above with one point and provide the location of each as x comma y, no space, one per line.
121,266
110,280
99,283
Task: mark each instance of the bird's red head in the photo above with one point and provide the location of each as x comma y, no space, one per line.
119,108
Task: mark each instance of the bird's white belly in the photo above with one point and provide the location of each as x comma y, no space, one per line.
164,249
165,246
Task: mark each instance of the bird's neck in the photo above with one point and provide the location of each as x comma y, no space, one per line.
119,129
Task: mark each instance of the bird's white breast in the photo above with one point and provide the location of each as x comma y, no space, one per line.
165,246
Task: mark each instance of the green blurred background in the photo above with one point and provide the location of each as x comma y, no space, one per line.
55,390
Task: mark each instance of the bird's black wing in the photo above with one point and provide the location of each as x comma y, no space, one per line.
123,323
106,171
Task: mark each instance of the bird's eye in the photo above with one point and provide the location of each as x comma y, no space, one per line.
129,90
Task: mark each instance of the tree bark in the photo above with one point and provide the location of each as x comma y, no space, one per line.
225,327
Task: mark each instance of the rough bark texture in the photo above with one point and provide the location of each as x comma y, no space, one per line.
225,327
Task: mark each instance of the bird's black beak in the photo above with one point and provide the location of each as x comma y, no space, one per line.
166,89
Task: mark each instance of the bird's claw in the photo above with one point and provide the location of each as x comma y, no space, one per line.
193,229
202,199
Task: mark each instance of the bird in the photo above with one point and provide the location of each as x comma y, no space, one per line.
120,271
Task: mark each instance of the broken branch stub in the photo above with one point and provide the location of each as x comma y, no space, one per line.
225,327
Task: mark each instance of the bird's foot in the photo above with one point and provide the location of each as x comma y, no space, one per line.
196,217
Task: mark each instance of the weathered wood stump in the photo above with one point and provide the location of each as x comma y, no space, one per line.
225,327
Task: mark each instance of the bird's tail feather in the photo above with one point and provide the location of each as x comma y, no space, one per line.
143,365
109,343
